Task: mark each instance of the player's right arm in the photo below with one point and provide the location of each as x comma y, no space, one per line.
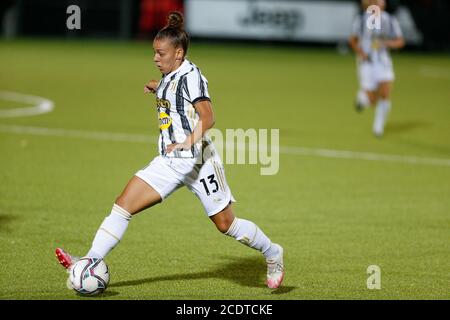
354,39
354,44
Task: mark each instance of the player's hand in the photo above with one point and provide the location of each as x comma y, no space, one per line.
363,56
151,86
386,44
178,146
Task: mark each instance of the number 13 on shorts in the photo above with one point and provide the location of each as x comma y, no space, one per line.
212,181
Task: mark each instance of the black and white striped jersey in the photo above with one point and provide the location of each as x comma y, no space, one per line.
176,94
370,39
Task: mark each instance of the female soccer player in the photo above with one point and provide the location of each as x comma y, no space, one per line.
375,70
187,157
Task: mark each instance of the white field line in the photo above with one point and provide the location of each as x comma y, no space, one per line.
343,154
91,135
302,151
39,105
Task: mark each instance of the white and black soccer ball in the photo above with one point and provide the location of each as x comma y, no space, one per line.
89,276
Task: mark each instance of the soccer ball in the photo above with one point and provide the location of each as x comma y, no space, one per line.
89,276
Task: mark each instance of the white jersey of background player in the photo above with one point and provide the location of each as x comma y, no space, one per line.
375,68
185,114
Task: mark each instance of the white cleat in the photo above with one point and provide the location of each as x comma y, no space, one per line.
275,269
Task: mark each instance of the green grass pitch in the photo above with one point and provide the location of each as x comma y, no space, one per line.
334,216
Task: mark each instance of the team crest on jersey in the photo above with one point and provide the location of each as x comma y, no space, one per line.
162,103
376,44
173,86
165,121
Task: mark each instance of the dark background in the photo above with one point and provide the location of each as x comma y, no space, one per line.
140,19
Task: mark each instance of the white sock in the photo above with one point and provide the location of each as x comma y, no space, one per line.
381,114
248,233
110,232
363,99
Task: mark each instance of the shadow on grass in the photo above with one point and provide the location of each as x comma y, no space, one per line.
248,272
6,219
283,290
405,126
396,127
105,294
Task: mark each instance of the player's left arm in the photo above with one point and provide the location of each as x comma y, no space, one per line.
206,122
396,43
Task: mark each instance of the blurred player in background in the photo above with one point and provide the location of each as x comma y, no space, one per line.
375,69
187,158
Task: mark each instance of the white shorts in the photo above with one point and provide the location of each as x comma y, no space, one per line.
371,74
207,181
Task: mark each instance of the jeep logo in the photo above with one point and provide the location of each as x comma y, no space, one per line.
285,19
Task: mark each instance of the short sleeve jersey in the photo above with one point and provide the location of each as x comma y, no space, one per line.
176,95
370,38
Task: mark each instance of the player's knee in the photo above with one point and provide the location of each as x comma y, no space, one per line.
372,99
224,219
223,226
384,95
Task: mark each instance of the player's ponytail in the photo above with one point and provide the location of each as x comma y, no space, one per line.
175,20
174,30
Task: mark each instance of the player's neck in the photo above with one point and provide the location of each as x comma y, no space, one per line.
175,67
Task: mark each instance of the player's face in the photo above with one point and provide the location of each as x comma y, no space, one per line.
380,3
167,58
